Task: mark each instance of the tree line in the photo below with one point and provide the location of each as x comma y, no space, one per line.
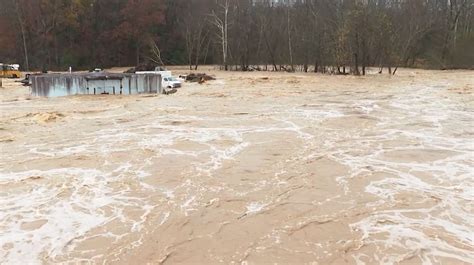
337,36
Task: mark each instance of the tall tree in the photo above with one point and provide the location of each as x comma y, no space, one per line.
327,35
220,19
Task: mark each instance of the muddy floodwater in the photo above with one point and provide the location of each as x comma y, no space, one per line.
251,168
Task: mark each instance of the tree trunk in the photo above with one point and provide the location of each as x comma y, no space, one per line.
205,55
290,48
23,35
138,54
356,61
272,57
225,28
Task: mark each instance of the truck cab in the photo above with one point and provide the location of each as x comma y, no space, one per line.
167,79
170,82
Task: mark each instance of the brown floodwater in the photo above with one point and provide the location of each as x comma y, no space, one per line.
250,168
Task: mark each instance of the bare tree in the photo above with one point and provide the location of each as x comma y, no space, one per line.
455,7
21,23
222,25
332,35
155,53
289,29
194,25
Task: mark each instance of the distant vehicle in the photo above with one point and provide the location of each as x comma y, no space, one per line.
10,71
171,82
167,79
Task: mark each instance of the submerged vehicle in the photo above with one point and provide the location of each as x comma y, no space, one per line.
171,82
167,79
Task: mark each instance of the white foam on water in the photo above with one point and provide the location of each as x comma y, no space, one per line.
450,219
63,222
70,201
255,207
75,201
319,113
219,156
429,123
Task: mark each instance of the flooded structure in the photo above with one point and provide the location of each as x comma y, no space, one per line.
58,85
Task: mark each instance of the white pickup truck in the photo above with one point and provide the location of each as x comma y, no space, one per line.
170,82
167,79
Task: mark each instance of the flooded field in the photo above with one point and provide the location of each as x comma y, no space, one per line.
250,168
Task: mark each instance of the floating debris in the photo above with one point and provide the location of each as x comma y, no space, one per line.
197,78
